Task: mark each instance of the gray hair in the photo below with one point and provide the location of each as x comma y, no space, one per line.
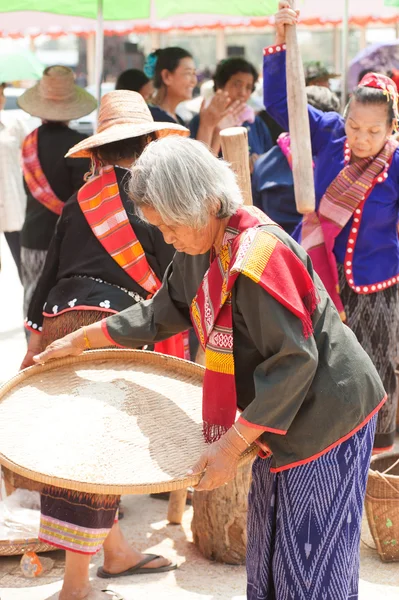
182,180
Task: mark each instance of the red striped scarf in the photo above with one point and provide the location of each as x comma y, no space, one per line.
349,189
248,250
101,204
35,179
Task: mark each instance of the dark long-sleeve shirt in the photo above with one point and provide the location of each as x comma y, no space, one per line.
65,176
314,392
80,273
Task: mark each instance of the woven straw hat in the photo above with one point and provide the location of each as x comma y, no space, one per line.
123,114
56,97
106,422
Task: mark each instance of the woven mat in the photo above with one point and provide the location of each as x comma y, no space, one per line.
17,547
106,422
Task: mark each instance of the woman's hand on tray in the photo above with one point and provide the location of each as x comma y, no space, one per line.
220,463
75,343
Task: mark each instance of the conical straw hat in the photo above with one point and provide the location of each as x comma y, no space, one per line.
56,97
106,422
123,114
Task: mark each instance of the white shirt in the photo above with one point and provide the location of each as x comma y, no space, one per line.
12,193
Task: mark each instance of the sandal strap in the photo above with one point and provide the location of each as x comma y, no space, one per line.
148,558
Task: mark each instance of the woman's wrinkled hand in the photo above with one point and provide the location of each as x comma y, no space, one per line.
70,345
220,463
285,16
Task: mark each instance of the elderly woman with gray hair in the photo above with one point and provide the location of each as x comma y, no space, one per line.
277,351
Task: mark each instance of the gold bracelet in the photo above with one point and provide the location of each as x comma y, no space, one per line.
86,339
241,436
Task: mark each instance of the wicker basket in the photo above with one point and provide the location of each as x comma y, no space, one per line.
14,547
12,482
382,505
125,422
17,547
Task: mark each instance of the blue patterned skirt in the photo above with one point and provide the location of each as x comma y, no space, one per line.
304,525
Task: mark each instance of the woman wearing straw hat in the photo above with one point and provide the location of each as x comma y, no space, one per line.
275,348
50,178
102,259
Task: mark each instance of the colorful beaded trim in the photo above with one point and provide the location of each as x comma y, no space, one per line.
274,49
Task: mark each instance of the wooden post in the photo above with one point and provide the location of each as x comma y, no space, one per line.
337,49
344,55
235,150
363,37
219,522
302,163
176,506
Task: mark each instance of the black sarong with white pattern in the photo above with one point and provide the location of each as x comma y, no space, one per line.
374,319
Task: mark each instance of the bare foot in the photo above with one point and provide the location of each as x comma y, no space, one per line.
92,595
75,593
119,556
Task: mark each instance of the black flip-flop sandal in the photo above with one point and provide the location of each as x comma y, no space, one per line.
138,569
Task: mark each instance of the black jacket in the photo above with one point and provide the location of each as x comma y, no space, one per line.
80,273
65,176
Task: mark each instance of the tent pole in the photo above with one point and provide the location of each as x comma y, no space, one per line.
221,49
99,69
91,58
344,54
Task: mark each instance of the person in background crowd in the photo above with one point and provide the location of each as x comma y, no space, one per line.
12,193
352,237
49,178
83,283
135,81
272,181
174,75
234,82
317,74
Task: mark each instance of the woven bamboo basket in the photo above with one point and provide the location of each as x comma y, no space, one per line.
382,505
14,547
17,547
106,422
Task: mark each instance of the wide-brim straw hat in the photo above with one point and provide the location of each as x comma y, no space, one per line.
56,97
106,422
123,114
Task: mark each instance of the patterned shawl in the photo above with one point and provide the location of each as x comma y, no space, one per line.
248,250
346,193
35,179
